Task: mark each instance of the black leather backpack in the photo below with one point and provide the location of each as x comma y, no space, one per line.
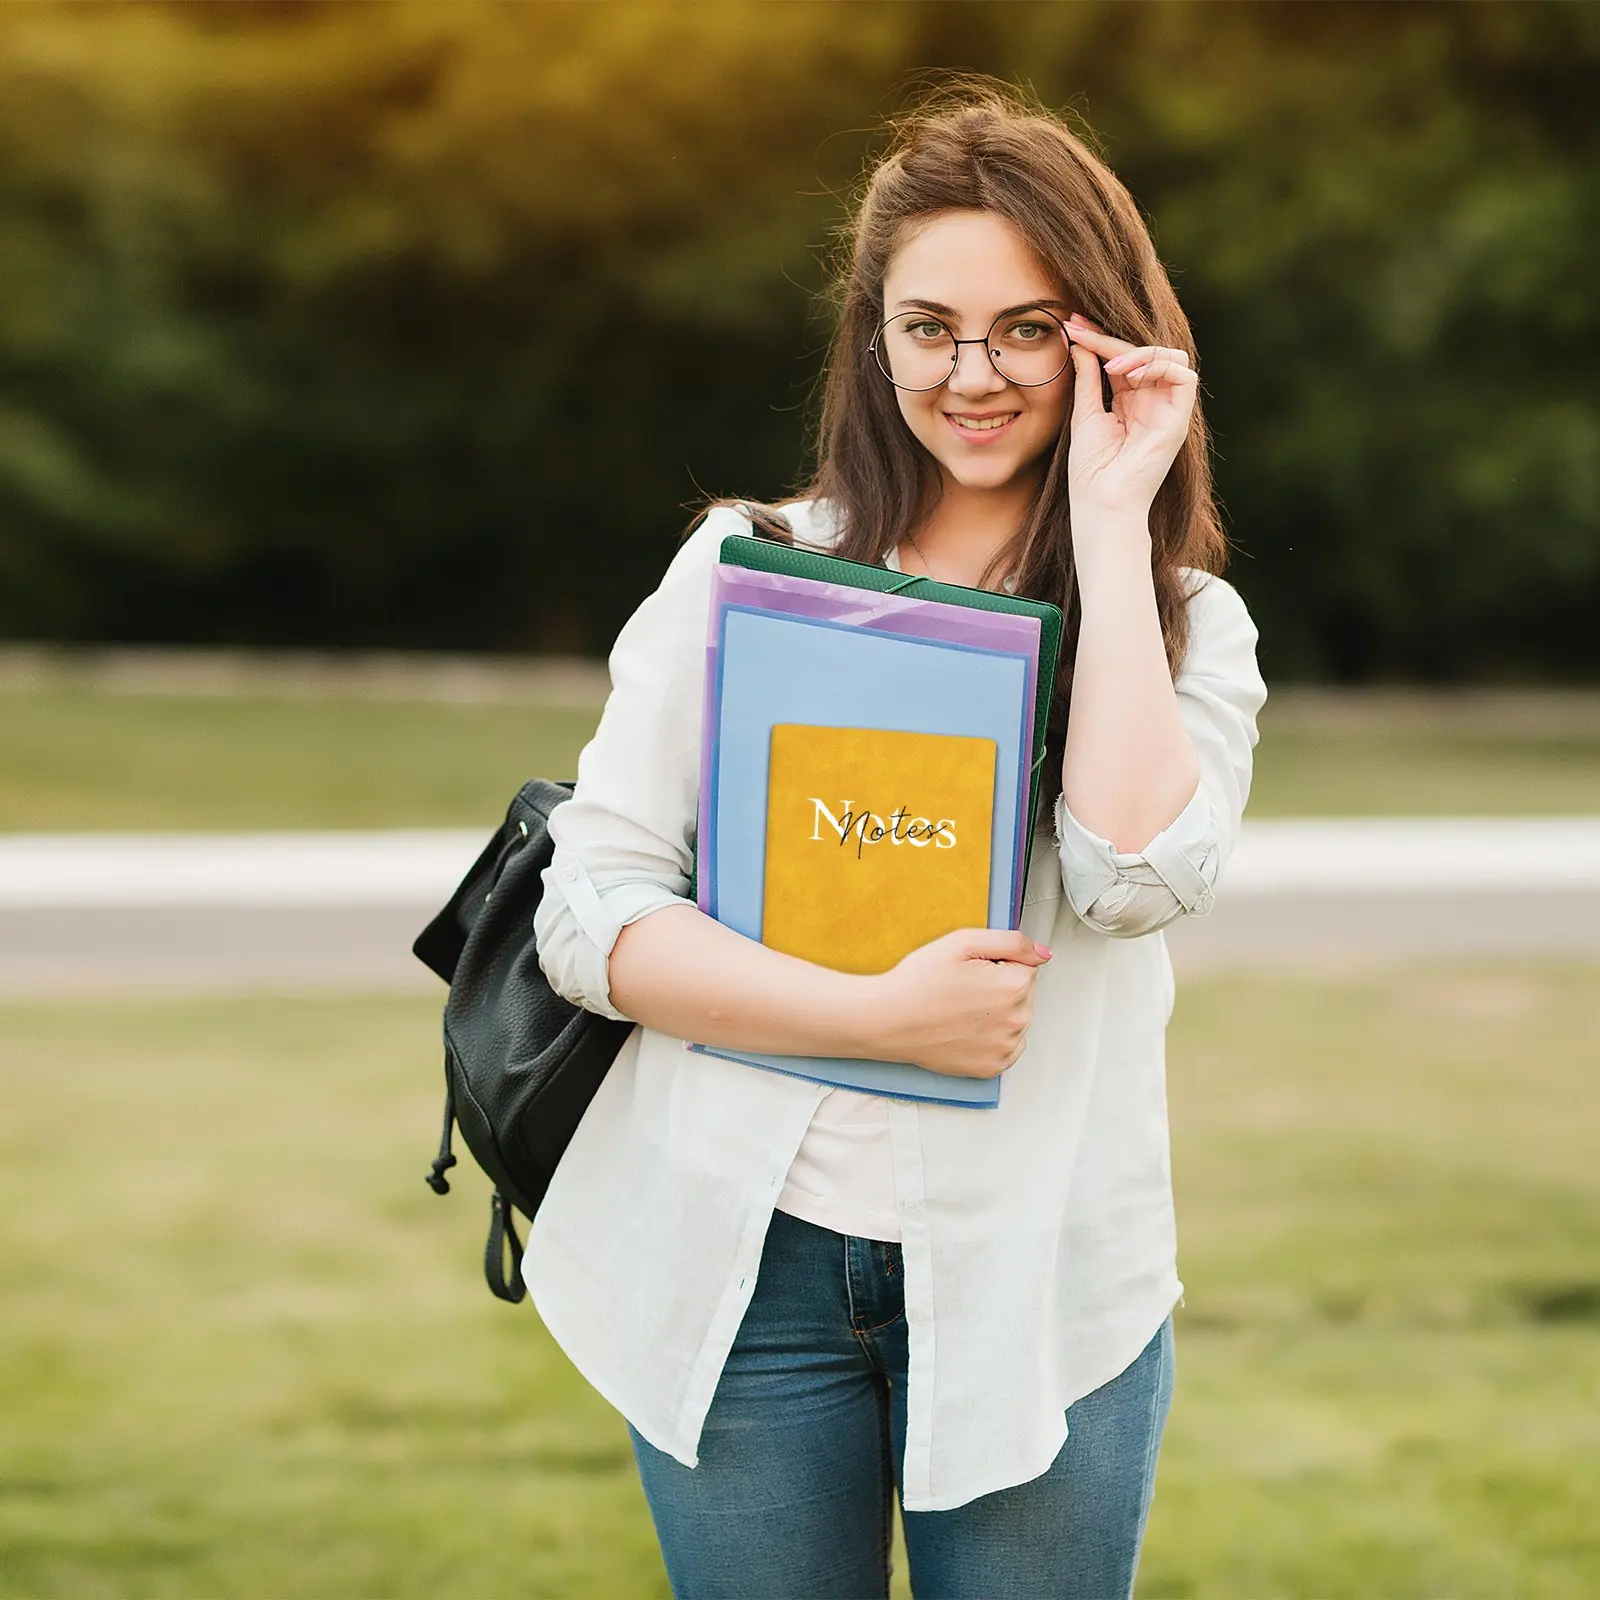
520,1063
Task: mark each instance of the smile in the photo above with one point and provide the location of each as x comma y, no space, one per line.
990,425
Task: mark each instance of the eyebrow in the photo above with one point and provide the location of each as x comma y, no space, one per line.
939,309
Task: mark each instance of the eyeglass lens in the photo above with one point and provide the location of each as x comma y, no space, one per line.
915,350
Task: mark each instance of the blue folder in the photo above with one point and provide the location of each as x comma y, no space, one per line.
774,668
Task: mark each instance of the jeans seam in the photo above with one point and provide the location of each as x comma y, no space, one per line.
849,1282
862,1333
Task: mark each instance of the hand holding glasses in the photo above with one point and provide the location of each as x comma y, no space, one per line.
916,351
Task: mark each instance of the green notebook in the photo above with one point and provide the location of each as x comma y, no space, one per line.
764,555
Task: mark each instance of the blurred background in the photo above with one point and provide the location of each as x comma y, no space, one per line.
420,324
360,367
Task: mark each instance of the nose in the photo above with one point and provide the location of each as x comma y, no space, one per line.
974,372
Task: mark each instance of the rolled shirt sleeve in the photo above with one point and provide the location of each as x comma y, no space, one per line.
624,843
1220,693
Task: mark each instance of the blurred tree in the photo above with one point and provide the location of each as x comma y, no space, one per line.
359,323
1386,223
419,323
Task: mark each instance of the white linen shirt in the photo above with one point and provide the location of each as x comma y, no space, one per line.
1038,1237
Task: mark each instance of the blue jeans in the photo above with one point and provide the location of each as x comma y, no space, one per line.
802,1449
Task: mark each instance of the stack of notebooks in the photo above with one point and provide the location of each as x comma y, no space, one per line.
870,767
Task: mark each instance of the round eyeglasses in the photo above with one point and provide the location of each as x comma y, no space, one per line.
916,351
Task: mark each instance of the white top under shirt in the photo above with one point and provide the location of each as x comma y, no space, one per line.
1038,1237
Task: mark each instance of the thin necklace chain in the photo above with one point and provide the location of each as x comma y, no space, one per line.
1005,585
920,557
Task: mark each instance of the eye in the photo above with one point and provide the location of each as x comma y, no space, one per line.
1027,332
926,329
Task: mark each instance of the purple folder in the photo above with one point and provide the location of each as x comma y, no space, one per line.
864,608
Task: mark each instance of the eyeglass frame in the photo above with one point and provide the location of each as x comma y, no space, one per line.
875,350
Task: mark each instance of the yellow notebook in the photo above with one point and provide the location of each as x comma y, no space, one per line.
877,842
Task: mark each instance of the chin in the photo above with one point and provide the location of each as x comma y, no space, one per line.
984,474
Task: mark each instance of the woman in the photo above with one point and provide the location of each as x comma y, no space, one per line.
804,1299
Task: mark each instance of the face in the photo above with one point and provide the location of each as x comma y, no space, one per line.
966,267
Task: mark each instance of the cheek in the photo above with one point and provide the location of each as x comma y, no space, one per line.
913,408
1055,401
920,415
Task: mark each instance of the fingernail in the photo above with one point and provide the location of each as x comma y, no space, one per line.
1044,952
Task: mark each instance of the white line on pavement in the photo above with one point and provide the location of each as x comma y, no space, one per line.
1402,855
420,867
411,867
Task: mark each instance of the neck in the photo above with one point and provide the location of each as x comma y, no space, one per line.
968,527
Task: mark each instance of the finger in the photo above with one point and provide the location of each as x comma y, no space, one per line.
1004,944
1103,344
1162,371
1146,354
1024,979
1087,400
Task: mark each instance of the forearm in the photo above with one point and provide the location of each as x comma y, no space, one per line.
682,973
1130,766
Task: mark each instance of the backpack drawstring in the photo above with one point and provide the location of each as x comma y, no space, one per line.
445,1158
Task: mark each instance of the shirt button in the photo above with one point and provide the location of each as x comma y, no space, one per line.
913,1205
569,873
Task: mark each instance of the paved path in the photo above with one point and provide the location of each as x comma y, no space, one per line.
114,913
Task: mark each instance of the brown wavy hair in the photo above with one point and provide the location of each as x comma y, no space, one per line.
981,146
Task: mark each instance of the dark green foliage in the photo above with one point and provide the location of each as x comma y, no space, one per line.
422,323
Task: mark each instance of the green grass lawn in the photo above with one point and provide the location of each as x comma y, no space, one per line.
75,759
86,759
1378,773
248,1354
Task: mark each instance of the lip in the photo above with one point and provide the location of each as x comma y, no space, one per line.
981,435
